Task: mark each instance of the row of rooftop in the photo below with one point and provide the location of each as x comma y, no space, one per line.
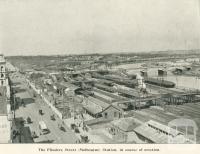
103,96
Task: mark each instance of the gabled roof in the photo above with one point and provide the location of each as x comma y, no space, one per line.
151,134
98,102
92,108
95,106
66,85
125,124
163,127
114,106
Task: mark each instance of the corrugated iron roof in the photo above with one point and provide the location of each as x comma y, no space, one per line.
163,127
151,134
66,85
125,124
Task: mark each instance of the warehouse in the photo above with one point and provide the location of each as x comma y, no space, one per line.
112,112
155,132
97,109
122,128
68,89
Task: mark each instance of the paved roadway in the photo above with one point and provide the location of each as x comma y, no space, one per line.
32,110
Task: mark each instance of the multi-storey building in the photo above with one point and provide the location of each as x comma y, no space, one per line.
5,108
2,70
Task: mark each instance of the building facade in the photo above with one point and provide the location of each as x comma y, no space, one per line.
2,70
5,107
112,112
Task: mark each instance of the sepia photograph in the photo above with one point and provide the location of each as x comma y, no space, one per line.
100,72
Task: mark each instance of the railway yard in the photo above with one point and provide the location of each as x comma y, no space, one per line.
107,95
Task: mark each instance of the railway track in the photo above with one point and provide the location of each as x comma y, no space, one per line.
140,117
149,116
158,117
189,111
113,96
163,90
106,88
163,113
195,105
101,98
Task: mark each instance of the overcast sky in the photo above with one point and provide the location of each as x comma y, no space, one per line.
32,27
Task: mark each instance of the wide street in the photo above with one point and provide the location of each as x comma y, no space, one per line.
31,109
